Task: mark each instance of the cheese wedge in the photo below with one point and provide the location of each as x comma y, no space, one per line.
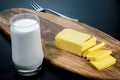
103,64
94,48
98,55
71,40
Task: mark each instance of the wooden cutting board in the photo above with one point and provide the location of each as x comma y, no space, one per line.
50,26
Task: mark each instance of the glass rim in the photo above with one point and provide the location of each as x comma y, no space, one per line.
11,20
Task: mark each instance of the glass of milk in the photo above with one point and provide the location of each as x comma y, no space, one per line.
27,51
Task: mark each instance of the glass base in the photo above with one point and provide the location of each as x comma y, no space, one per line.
29,72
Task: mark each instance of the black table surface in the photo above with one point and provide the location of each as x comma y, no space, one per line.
101,14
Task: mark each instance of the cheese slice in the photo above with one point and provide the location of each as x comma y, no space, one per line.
94,48
71,40
87,44
98,55
103,64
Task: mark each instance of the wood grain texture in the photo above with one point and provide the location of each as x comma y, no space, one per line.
50,26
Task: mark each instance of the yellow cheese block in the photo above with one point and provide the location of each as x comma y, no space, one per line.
71,40
82,44
73,36
105,63
96,47
98,55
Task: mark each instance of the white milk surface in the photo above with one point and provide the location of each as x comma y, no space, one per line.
27,50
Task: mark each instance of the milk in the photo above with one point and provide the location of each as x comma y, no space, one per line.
27,50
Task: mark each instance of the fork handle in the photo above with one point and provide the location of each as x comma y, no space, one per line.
61,15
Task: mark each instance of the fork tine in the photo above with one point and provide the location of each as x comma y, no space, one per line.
31,3
35,5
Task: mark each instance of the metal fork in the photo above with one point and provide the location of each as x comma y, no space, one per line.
37,7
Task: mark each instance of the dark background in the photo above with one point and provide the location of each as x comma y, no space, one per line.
101,14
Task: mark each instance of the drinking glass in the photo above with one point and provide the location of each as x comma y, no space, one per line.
27,51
